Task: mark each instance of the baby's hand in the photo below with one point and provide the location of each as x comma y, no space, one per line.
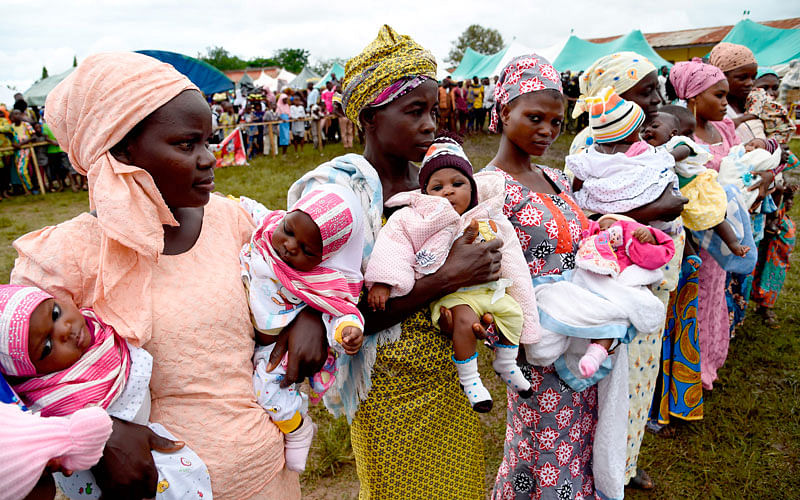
644,235
378,295
739,250
352,338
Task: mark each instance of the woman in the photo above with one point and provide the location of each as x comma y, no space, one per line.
414,433
635,78
740,68
158,258
631,75
284,109
529,118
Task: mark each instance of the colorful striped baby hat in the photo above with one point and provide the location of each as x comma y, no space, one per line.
446,152
611,117
17,303
331,214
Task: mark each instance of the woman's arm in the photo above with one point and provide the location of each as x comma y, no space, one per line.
467,264
667,207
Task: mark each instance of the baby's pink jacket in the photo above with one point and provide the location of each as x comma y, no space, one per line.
417,239
633,251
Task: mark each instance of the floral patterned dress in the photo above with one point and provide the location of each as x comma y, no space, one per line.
548,445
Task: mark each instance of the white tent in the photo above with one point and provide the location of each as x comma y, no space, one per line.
516,49
264,81
286,76
441,70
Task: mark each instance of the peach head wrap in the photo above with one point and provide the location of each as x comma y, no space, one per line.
729,56
90,112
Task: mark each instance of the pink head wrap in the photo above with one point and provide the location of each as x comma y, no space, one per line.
690,78
90,112
17,303
729,56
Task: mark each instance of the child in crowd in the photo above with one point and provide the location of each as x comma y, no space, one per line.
416,241
762,103
227,120
310,255
610,246
271,116
670,130
250,131
298,112
60,359
41,154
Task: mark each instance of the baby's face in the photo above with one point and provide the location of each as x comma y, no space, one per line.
451,184
658,130
298,242
605,223
57,336
770,84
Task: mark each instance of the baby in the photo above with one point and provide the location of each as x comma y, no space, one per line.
610,246
670,130
416,241
310,255
60,359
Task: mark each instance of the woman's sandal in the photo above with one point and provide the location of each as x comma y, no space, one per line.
641,481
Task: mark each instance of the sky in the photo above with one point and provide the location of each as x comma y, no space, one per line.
49,33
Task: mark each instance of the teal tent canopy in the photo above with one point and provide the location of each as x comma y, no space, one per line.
207,78
37,94
305,76
579,54
476,64
337,69
771,46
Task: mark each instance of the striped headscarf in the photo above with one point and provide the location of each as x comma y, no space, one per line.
391,61
729,56
338,217
523,74
621,71
96,379
611,117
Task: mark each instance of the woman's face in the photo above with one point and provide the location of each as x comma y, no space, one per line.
770,84
712,103
740,80
172,146
405,128
645,93
532,121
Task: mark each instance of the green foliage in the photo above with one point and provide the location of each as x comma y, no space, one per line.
222,59
478,38
292,60
44,72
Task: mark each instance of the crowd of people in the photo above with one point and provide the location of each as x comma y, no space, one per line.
608,292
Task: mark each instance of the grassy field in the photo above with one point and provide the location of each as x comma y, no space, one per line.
748,445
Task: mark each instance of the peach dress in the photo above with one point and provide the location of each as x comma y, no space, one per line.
202,343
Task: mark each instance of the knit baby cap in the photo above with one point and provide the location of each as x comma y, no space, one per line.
611,117
446,152
331,214
17,303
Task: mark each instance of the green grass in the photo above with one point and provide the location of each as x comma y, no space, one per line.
748,445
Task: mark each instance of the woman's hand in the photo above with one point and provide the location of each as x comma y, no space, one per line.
666,207
306,343
471,264
479,329
763,187
127,469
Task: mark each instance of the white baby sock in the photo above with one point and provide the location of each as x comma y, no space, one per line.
470,379
505,364
590,362
297,443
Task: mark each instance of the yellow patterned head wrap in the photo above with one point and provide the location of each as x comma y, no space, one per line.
389,58
621,71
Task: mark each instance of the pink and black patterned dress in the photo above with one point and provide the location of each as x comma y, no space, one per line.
548,445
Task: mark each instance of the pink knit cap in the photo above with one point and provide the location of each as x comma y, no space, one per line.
690,78
331,214
729,56
17,303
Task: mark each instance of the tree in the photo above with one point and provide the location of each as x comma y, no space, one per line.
478,38
260,62
292,60
74,61
44,72
222,59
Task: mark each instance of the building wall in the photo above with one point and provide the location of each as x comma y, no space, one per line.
683,53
